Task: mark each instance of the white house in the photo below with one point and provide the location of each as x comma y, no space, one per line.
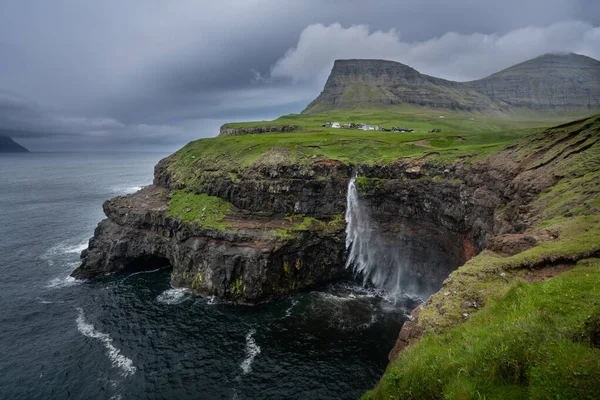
335,124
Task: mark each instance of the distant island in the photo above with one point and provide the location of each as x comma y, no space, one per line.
8,145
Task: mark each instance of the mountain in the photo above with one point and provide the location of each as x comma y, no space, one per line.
373,82
547,82
7,145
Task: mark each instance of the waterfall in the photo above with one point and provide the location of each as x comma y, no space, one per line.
369,256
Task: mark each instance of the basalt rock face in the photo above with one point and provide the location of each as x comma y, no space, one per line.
246,264
317,190
226,131
433,217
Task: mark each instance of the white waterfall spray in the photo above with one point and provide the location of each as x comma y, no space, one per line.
378,263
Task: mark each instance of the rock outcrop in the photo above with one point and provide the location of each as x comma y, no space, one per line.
258,258
227,131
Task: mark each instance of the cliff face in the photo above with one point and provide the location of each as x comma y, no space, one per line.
7,145
260,256
548,82
285,231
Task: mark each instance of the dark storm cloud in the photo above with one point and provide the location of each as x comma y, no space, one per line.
154,73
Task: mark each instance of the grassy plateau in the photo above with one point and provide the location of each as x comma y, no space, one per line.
462,134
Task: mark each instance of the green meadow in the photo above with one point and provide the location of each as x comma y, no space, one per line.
472,135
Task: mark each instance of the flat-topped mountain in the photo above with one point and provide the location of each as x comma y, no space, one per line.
373,82
7,145
546,82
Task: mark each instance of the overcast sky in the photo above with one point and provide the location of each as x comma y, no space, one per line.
153,75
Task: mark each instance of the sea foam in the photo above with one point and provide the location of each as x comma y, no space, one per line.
252,350
172,296
62,282
118,360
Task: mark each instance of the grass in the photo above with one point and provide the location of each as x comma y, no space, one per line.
302,223
201,209
534,341
468,135
489,275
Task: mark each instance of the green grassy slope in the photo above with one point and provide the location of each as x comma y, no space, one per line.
462,134
524,339
532,341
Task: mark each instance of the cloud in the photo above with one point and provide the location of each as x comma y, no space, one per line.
452,56
23,119
169,72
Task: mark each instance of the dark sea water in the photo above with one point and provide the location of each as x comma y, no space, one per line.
131,335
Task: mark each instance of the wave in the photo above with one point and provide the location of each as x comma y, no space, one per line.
117,359
288,312
63,282
342,292
142,272
77,249
369,324
252,350
63,249
126,190
172,296
42,301
64,255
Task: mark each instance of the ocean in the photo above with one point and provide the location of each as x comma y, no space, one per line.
131,335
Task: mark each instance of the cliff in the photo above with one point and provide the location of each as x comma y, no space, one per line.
249,229
548,82
512,321
8,145
477,221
